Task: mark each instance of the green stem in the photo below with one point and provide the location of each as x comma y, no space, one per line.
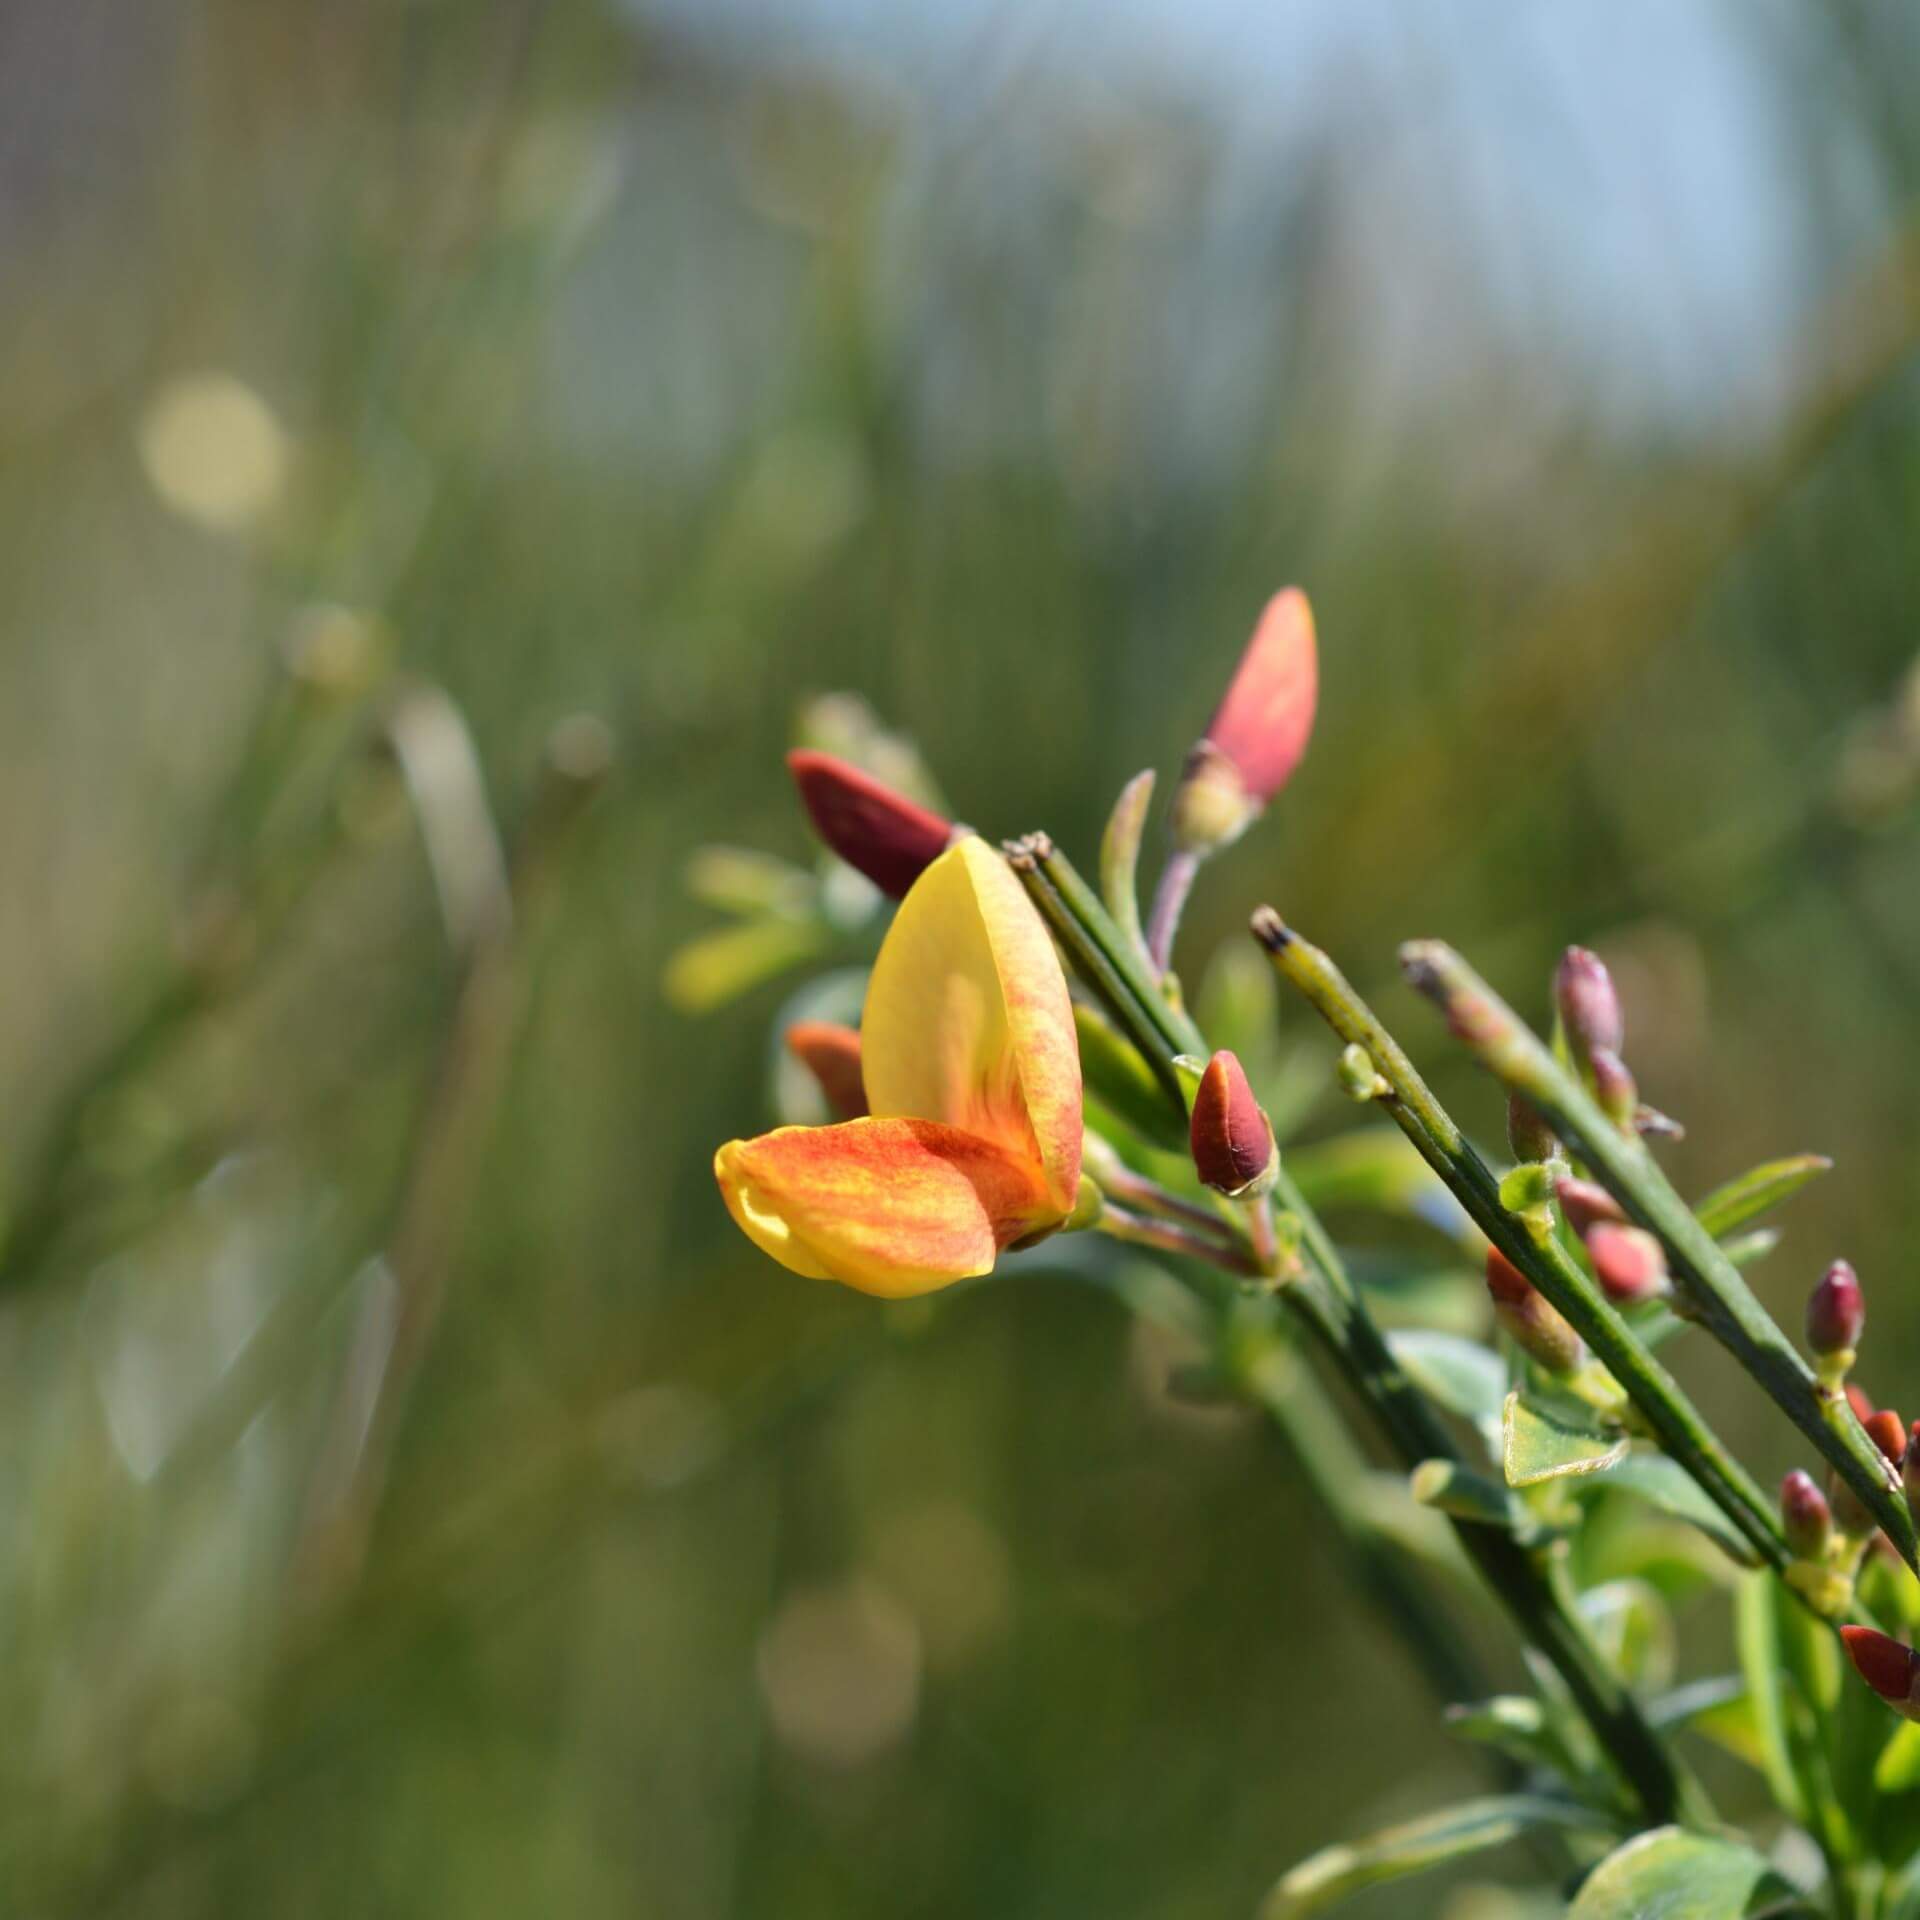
1331,1308
1168,1236
1538,1254
1622,1164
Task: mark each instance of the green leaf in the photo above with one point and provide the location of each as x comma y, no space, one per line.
745,882
1448,1487
1633,1627
1475,1826
1756,1626
1669,1874
717,967
1122,1082
1898,1768
1539,1443
1652,1476
1757,1191
1682,1706
1120,856
1514,1724
1376,1170
1463,1376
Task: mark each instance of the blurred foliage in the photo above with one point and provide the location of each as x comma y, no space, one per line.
671,365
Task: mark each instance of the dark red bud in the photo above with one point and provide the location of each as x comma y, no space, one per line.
1885,1665
1888,1432
831,1053
888,837
1232,1140
1628,1262
1805,1517
1589,1007
1836,1311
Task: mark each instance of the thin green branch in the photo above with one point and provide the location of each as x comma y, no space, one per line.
1713,1284
1668,1411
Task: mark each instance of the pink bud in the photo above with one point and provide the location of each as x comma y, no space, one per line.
1589,1007
1889,1668
884,834
1264,719
1528,1134
1586,1203
1805,1517
1836,1311
1614,1088
831,1053
1257,733
1537,1326
1628,1262
1232,1139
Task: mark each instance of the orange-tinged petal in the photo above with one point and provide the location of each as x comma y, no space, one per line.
1266,714
891,1207
831,1053
967,1018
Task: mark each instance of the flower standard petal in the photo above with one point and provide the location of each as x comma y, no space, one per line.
831,1053
891,1207
967,1018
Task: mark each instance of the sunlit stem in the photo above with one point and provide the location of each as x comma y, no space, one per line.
1169,902
1168,1236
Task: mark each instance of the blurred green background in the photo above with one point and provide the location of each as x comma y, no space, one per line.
669,364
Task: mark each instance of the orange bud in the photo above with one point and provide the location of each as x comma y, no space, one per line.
1888,1432
1889,1668
1257,733
1860,1401
1628,1262
831,1053
885,835
1233,1147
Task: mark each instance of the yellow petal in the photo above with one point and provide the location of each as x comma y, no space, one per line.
892,1207
967,1019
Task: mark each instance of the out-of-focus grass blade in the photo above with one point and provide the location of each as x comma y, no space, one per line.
1757,1191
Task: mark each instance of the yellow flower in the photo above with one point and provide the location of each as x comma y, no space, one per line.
972,1074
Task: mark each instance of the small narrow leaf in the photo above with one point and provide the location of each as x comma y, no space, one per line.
1652,1476
1122,1082
1473,1827
1673,1875
1542,1443
1463,1376
1120,856
1514,1724
1757,1191
1448,1487
1756,1627
1898,1768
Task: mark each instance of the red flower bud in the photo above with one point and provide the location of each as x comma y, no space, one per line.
884,834
1860,1401
1586,1204
1836,1311
831,1053
1614,1088
1628,1262
1805,1517
1589,1007
1535,1323
1889,1668
1232,1139
1910,1468
1258,732
1888,1432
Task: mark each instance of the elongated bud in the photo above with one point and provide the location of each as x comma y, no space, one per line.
1836,1314
1586,1204
1528,1135
1888,1432
1258,732
1889,1668
888,837
1589,1007
1805,1517
1536,1324
831,1053
1233,1146
1629,1263
1614,1089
